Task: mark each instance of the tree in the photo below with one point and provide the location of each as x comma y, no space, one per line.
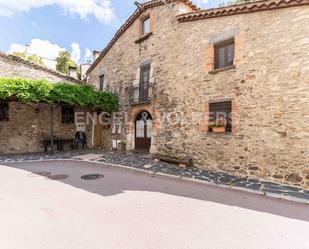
31,57
64,61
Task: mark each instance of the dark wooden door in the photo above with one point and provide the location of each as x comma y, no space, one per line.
143,126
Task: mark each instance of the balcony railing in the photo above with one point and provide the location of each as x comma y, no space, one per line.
139,96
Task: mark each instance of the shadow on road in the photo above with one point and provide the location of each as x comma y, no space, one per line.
118,180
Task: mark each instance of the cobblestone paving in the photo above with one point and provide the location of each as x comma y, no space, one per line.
144,162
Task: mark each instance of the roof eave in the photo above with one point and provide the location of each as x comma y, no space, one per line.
130,21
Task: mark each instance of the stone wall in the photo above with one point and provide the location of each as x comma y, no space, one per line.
14,66
25,129
28,125
268,88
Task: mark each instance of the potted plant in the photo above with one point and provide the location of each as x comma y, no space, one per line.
218,126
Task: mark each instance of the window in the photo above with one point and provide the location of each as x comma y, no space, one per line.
102,82
145,26
116,129
67,115
224,54
144,83
4,111
221,112
115,143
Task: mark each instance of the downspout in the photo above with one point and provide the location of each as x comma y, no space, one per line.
92,133
52,129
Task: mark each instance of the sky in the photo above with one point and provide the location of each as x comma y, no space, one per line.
79,26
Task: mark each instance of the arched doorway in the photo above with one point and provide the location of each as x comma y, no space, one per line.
143,126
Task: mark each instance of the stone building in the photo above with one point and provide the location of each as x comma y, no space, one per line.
177,68
23,126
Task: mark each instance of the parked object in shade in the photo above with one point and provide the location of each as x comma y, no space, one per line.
80,139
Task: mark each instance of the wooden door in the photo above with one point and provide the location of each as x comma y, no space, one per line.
143,126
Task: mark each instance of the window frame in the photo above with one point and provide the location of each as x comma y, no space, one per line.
213,108
116,129
224,45
101,86
144,85
5,111
142,29
65,117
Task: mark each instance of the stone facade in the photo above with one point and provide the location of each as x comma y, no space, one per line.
268,86
27,125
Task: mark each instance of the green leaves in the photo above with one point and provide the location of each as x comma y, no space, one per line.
29,91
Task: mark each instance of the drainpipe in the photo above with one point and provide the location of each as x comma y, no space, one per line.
52,128
92,133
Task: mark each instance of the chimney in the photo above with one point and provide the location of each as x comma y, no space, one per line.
72,72
83,69
95,54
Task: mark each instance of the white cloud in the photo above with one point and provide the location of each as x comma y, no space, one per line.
101,9
39,47
88,55
75,52
43,48
49,51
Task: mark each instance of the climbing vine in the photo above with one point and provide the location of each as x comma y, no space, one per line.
31,91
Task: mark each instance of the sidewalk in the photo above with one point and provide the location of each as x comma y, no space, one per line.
145,163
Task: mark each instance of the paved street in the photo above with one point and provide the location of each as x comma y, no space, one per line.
48,205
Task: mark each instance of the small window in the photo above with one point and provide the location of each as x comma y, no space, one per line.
102,87
67,115
224,54
4,111
220,114
115,143
146,26
116,129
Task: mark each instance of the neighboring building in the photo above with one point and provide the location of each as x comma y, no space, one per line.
15,66
175,66
23,126
83,69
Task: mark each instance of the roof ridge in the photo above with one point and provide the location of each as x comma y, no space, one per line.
248,7
198,14
38,66
130,21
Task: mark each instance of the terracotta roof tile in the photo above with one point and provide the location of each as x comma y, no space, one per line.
240,9
198,14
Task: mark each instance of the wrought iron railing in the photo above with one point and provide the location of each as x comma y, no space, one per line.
138,95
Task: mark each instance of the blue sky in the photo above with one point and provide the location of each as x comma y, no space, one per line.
77,25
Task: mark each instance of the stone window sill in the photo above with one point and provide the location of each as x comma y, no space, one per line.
219,133
215,71
225,135
144,37
141,103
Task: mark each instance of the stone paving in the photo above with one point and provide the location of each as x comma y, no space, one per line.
145,162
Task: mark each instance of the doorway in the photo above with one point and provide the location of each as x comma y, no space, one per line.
143,130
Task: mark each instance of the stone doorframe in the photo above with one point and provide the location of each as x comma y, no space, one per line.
132,115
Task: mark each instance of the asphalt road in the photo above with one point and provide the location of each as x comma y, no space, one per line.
132,210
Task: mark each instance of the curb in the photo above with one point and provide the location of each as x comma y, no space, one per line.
188,179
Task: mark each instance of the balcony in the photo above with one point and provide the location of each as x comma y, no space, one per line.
140,95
